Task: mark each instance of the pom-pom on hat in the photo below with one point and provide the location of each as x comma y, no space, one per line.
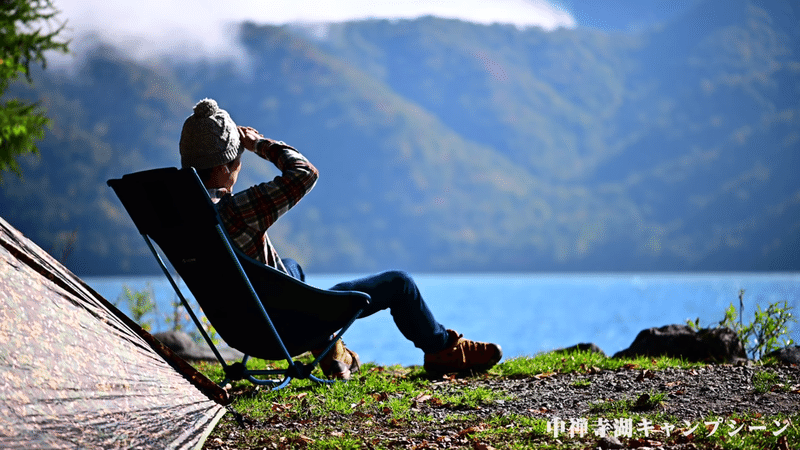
209,137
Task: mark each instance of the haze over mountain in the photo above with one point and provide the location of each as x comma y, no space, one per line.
207,29
452,146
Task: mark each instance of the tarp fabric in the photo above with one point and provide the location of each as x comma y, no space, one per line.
77,373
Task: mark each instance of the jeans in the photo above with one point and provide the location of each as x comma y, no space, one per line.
397,292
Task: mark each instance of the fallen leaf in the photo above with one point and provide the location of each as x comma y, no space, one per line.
395,423
381,396
422,398
470,430
544,375
280,407
643,442
305,439
481,446
590,369
645,374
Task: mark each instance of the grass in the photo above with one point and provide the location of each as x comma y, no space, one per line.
644,402
581,362
766,380
397,407
582,383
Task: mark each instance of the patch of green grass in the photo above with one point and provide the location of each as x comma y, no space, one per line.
581,362
471,397
398,408
321,438
766,380
581,383
394,391
644,402
746,431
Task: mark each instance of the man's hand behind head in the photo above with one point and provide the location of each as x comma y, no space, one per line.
249,136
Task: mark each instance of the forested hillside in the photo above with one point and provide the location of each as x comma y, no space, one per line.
451,146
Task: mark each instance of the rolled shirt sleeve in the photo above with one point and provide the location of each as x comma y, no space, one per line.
248,214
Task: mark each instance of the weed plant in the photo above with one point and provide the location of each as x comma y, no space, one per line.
768,331
140,304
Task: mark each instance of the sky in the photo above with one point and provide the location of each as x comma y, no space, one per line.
191,28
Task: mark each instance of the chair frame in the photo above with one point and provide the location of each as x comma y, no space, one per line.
238,370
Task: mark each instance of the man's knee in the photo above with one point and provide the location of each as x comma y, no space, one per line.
397,274
400,280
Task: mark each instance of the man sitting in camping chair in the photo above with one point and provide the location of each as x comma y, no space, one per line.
213,144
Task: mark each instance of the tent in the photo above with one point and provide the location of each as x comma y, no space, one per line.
75,372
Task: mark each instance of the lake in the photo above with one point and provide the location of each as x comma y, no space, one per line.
530,313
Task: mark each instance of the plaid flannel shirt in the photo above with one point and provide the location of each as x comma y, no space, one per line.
248,214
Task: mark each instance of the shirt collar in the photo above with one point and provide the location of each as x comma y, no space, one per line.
216,194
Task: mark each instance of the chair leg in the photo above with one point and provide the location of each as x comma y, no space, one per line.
239,371
296,370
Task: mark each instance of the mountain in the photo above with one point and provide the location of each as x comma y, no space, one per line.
451,146
625,15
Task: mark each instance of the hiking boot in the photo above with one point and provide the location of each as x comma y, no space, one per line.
339,363
463,355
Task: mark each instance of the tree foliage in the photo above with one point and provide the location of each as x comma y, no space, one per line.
28,28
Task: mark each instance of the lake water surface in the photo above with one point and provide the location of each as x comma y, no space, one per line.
530,313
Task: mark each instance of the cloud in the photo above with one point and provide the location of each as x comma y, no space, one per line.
149,29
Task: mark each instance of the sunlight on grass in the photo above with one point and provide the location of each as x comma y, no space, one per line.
580,362
644,402
400,402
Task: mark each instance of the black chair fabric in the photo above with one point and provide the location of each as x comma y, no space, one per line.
172,207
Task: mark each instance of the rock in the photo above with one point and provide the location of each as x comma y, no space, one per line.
180,343
582,347
786,355
680,341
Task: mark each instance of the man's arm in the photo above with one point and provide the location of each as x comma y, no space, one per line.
261,205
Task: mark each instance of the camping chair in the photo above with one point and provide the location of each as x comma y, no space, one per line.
249,304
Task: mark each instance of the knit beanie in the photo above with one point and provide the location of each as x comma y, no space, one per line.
209,137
